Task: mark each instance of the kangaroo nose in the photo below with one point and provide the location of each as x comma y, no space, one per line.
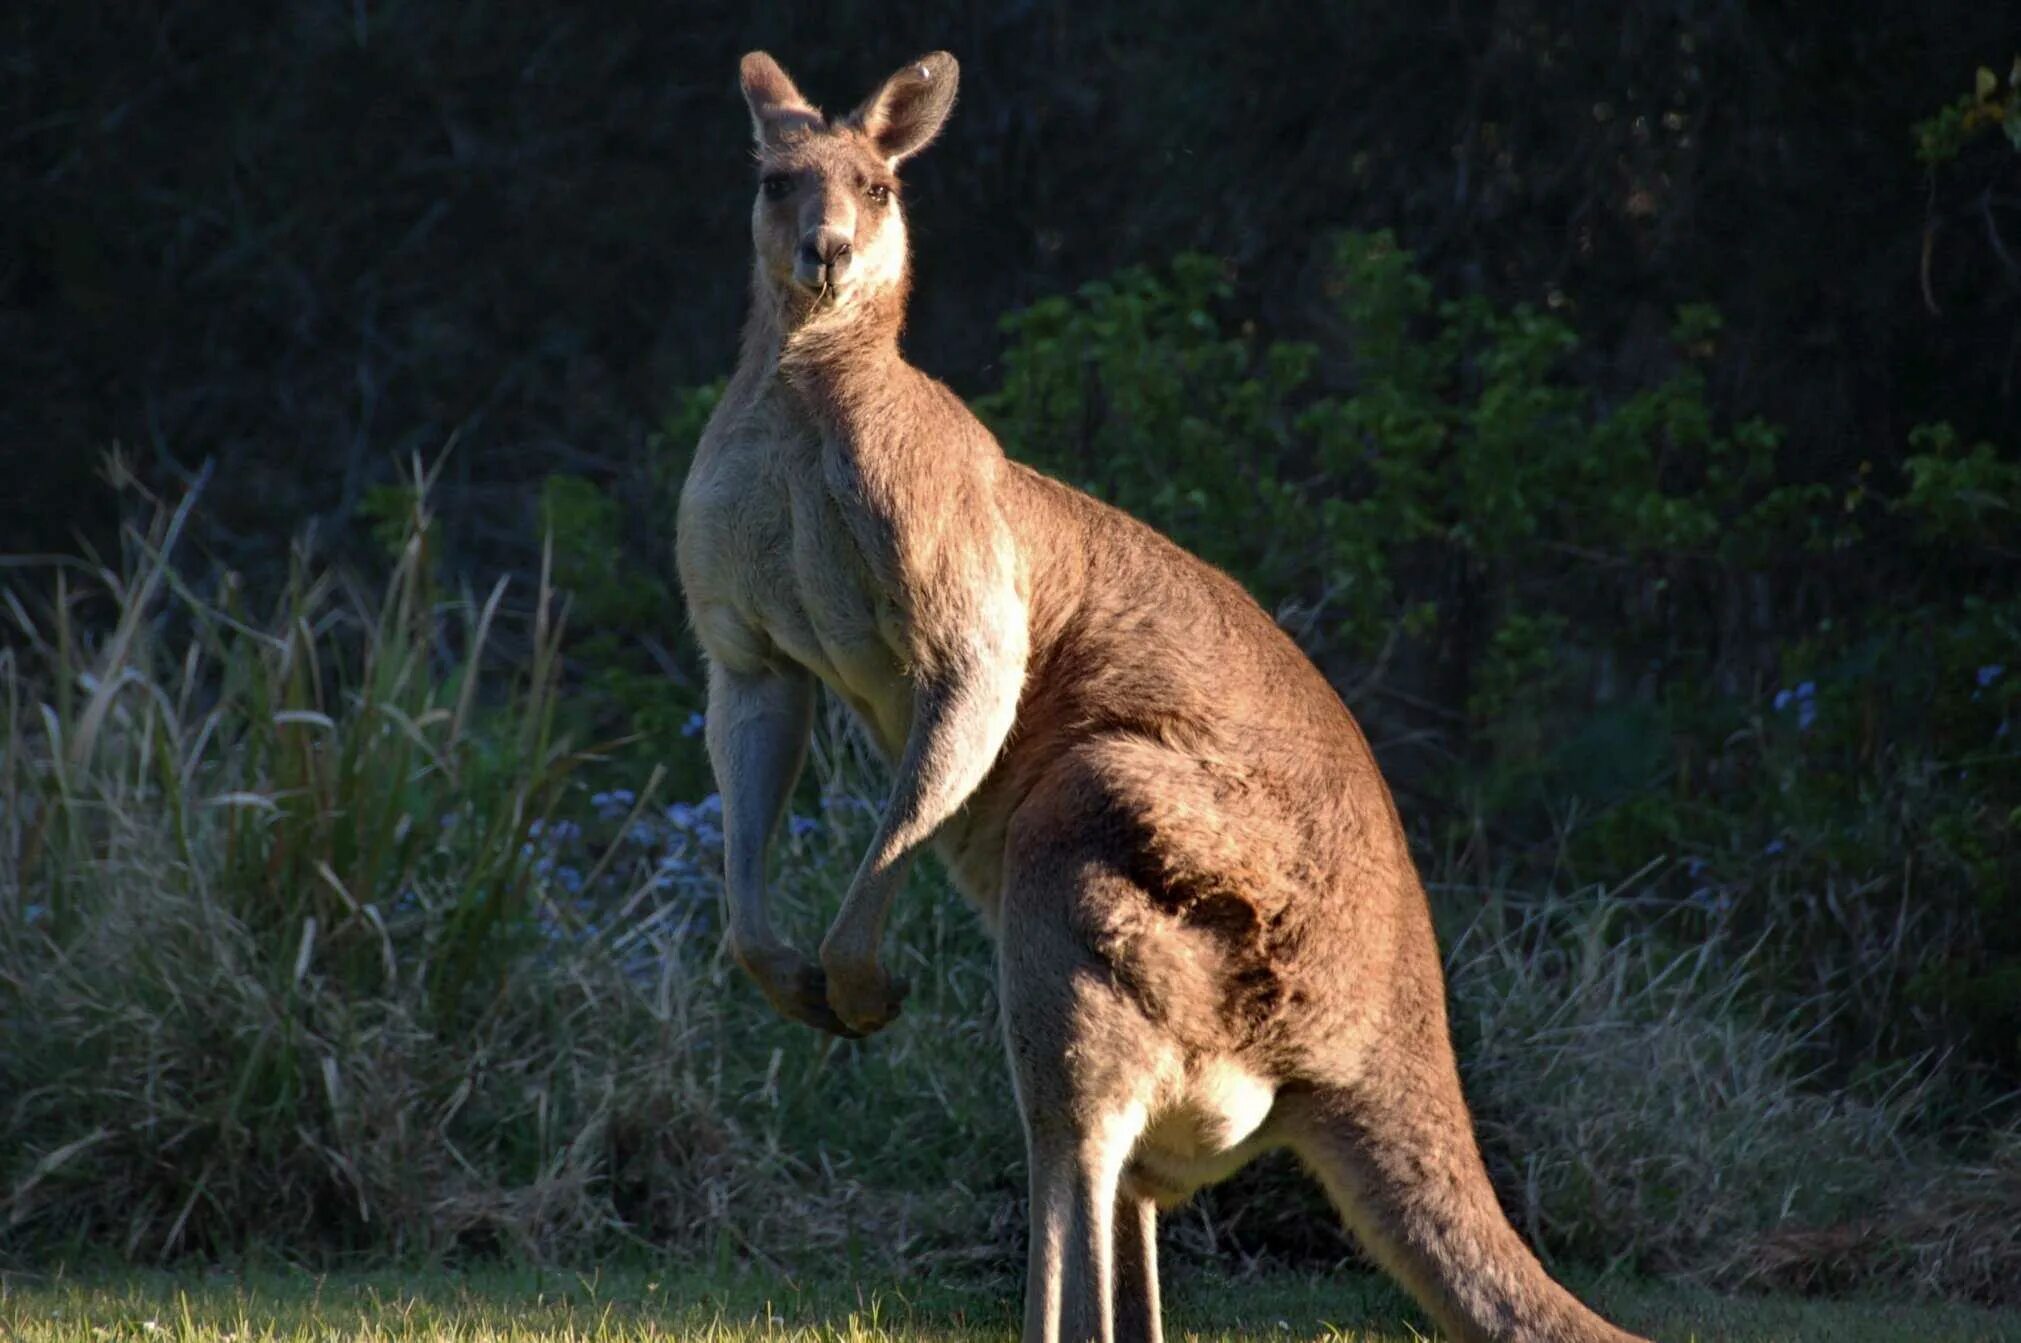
824,257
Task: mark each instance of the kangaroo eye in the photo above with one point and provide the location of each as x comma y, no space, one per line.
776,186
879,193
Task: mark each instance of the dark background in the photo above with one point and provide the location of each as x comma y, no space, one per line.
308,240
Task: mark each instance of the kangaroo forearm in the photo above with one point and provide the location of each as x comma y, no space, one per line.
958,729
757,736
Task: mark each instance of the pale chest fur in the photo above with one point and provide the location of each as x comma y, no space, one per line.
776,570
773,569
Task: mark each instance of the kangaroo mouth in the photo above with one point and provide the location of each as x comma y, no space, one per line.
820,285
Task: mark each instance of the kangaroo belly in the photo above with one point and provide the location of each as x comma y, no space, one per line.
1218,1120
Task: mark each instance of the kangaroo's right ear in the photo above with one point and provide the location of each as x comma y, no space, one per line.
777,109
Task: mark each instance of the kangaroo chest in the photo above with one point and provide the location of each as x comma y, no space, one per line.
772,567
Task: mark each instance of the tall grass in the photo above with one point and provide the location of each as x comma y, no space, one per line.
317,935
299,945
1642,1104
250,855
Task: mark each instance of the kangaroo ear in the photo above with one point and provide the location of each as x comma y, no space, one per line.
777,109
903,117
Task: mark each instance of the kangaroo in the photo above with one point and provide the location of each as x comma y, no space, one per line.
1211,938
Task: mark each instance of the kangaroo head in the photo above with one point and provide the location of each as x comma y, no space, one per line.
827,224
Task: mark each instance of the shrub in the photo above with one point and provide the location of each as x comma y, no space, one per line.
1598,629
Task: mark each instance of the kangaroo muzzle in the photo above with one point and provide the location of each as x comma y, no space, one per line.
823,260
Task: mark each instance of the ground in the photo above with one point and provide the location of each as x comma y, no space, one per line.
524,1306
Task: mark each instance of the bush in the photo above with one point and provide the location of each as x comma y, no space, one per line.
1600,631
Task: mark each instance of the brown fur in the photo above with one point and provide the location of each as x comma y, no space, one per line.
1212,940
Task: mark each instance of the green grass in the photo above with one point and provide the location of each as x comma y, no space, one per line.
524,1306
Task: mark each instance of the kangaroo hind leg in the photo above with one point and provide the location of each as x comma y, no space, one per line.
1087,1065
1139,1316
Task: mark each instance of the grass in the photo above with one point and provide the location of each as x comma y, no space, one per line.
523,1306
319,938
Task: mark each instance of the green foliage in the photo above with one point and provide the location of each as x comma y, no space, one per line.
1463,494
609,595
680,432
1958,494
611,552
1572,575
1132,390
388,512
1941,137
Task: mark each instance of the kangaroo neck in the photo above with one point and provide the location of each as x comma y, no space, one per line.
835,362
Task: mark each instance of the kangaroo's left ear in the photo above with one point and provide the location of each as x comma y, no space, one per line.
903,116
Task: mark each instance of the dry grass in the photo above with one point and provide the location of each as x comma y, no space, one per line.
1642,1106
313,937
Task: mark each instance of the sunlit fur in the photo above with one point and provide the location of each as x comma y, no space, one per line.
1212,941
831,173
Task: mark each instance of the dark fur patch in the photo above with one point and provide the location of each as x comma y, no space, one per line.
1212,902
